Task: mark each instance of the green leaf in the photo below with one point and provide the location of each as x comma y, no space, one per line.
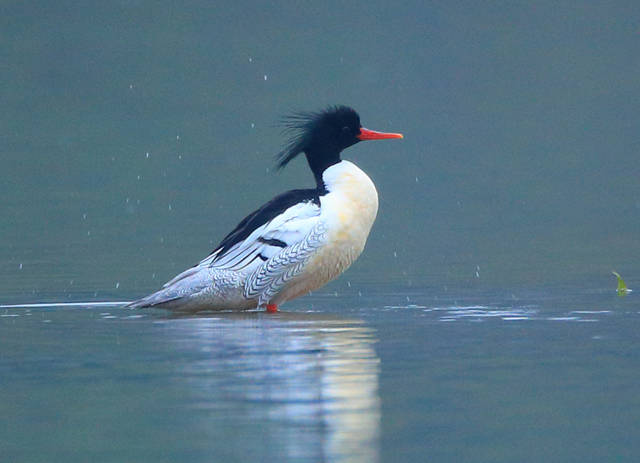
622,286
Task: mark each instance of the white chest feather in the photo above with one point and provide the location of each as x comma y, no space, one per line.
351,205
349,210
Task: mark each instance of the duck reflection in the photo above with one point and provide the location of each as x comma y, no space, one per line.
308,380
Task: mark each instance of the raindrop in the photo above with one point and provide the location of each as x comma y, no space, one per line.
84,216
20,267
139,177
169,206
265,77
250,59
416,179
88,233
147,155
349,284
117,285
253,126
177,137
395,254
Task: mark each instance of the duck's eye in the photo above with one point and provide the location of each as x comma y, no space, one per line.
346,129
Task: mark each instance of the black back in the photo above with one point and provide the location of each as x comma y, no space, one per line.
266,213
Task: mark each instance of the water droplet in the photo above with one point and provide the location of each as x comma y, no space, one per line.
117,285
265,77
250,59
20,267
416,179
130,86
84,216
349,284
395,254
177,137
88,233
253,126
147,155
169,206
139,177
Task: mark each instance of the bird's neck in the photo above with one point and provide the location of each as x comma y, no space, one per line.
319,160
352,199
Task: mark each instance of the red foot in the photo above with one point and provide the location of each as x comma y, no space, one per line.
272,308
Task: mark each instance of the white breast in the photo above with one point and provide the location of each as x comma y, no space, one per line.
348,210
351,205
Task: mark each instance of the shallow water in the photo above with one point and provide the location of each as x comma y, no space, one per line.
387,374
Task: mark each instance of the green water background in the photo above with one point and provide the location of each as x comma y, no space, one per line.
135,134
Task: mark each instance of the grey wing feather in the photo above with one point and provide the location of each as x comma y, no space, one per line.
268,279
186,274
293,229
188,283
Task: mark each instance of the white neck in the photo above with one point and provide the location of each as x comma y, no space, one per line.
354,195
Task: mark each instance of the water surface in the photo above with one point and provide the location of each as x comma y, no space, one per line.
473,376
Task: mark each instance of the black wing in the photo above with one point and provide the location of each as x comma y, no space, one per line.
261,216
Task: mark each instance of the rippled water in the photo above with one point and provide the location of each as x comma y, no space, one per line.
475,376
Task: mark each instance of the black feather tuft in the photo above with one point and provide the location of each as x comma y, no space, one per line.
300,127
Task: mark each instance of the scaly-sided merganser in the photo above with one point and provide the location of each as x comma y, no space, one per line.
298,241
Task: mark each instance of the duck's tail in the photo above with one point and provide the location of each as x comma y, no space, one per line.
157,299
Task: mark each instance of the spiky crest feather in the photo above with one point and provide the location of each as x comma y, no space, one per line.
300,126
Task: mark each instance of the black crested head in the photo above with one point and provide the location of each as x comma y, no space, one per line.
321,136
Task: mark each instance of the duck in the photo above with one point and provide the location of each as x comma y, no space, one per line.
298,241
